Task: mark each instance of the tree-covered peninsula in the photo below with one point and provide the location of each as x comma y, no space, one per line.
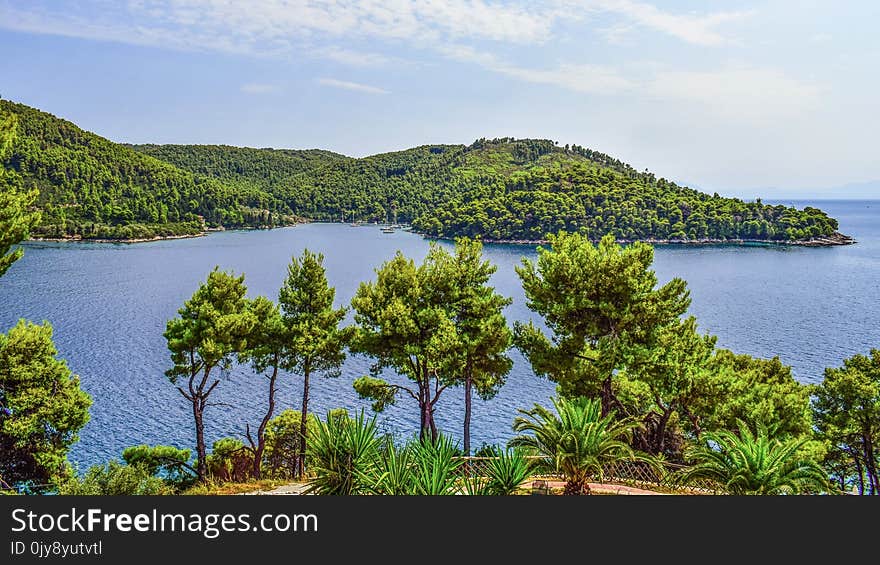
497,190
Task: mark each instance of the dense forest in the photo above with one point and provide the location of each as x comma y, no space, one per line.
94,188
500,189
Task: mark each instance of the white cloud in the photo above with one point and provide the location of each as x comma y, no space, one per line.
353,58
691,28
272,27
593,79
258,88
355,86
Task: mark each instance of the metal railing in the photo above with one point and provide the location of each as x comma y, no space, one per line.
660,477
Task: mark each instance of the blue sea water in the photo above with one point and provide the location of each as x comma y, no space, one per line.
109,303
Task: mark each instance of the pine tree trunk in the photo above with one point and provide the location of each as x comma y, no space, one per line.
468,383
201,452
303,425
870,467
261,431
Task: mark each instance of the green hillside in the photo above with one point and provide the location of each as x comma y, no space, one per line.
501,189
94,188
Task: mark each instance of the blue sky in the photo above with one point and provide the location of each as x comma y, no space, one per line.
734,96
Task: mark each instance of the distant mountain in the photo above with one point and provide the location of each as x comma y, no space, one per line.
497,189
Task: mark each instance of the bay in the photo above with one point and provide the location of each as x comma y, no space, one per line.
109,303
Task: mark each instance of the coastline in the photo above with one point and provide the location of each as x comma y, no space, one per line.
833,240
80,239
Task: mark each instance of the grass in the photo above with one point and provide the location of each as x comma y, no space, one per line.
212,488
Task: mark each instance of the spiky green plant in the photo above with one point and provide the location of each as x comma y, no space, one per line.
576,441
394,471
343,453
506,471
754,463
435,469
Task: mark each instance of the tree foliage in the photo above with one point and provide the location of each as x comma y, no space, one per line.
211,328
847,416
17,216
602,309
403,322
42,409
495,189
316,344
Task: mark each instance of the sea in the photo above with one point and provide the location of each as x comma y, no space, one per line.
109,303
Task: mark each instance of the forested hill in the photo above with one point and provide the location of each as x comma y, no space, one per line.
501,189
93,188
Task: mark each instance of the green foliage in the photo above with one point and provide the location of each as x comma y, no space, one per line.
343,455
230,461
602,308
115,479
379,391
315,343
525,189
506,471
404,323
394,472
758,392
42,409
93,188
283,443
17,216
212,327
495,189
436,462
577,441
669,385
846,411
167,462
483,337
755,463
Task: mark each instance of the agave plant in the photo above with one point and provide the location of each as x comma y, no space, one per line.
394,472
435,469
506,471
754,463
576,441
343,454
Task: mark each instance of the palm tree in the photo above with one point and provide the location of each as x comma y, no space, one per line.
754,463
576,441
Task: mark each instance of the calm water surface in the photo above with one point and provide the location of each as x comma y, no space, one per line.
108,303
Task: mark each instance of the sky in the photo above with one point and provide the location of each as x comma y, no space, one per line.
746,98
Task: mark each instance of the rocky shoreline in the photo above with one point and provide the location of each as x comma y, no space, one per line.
832,240
80,239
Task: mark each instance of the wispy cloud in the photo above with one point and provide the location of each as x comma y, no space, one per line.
691,28
480,32
738,93
353,58
273,27
355,86
587,78
258,88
